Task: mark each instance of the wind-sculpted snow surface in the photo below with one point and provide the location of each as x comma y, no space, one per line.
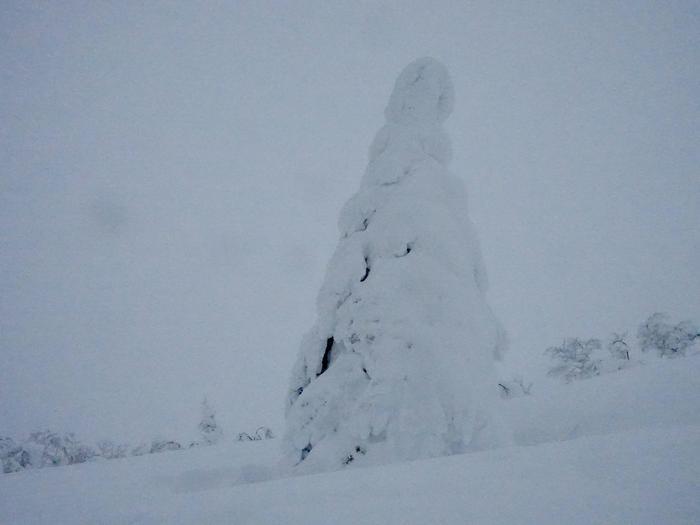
399,364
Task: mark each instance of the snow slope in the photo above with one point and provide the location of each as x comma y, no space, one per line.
663,393
621,448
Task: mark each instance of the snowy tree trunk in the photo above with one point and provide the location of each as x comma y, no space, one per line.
399,364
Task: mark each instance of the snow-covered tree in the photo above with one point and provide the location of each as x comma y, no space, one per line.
399,364
618,347
668,340
208,428
620,357
575,359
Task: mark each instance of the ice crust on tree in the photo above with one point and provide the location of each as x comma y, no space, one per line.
400,362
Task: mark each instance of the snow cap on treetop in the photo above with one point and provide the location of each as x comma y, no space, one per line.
423,94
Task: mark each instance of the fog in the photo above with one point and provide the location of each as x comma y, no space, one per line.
171,175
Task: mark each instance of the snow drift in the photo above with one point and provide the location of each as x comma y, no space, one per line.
399,364
618,448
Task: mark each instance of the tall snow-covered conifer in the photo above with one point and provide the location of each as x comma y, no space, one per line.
208,428
399,364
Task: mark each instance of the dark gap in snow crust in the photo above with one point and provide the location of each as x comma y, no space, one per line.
305,451
409,247
326,360
364,277
350,457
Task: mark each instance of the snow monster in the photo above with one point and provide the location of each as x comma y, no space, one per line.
400,362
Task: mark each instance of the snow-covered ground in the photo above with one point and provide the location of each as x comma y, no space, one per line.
620,448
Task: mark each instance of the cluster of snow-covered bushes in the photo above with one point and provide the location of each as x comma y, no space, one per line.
583,358
43,449
667,340
260,434
50,449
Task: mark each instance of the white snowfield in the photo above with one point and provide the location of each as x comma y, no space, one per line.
617,449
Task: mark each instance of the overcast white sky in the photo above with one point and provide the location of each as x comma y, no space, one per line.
171,174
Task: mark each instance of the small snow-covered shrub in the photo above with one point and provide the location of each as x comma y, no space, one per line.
668,340
155,447
50,449
110,450
264,433
77,452
141,449
6,443
574,359
620,357
163,445
260,434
